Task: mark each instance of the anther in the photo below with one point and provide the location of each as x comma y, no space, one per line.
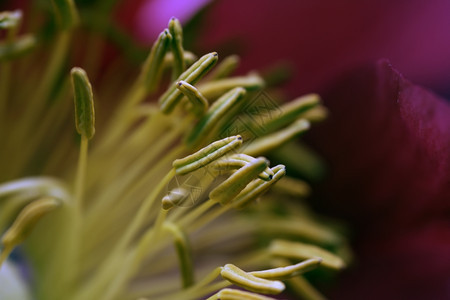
84,103
302,251
198,101
172,96
25,222
206,155
174,197
250,282
232,186
152,69
176,31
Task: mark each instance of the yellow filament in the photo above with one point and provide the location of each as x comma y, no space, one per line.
250,282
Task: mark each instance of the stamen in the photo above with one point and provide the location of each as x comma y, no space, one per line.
304,228
172,96
250,282
214,89
25,222
206,155
198,101
239,160
103,273
174,197
267,143
225,68
177,47
289,271
18,193
42,185
293,187
302,251
304,289
316,114
290,112
258,187
189,59
84,103
184,253
301,160
151,72
230,188
85,124
113,249
216,113
66,13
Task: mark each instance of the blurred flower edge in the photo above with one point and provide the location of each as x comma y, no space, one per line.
388,146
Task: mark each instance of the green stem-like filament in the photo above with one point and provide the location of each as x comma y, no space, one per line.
81,175
109,266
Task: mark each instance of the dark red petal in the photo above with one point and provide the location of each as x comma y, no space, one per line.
415,265
145,19
321,38
388,143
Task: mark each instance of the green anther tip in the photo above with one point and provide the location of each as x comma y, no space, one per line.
27,219
199,104
172,96
153,66
175,25
84,103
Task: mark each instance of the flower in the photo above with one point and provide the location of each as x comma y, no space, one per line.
390,165
142,200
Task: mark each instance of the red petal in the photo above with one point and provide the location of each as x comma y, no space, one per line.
321,38
415,265
388,142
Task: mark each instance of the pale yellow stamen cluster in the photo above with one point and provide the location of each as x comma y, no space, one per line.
152,208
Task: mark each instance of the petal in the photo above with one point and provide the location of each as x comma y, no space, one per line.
415,265
12,286
388,143
321,38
